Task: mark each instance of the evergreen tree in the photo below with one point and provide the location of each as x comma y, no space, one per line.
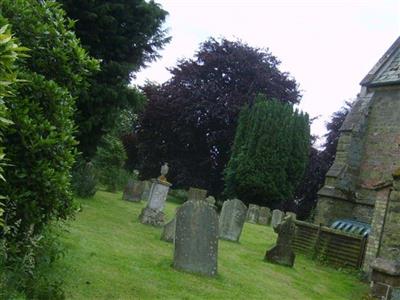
125,35
269,153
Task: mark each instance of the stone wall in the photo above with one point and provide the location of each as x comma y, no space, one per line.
378,220
367,154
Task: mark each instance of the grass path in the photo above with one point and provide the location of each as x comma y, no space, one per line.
112,256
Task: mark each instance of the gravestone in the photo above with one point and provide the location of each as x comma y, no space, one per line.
168,233
231,220
153,213
133,191
196,238
146,189
265,216
253,213
277,217
197,194
282,253
210,200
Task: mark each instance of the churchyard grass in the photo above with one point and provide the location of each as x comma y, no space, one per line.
110,255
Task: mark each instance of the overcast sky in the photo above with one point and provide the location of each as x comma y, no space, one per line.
328,46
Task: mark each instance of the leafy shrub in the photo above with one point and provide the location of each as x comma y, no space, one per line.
39,145
84,179
177,196
9,52
109,161
29,275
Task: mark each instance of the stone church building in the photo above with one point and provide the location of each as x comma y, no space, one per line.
362,183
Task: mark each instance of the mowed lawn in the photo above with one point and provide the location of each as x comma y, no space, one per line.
110,255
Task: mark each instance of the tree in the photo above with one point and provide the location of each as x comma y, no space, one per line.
190,120
319,163
109,161
124,35
269,154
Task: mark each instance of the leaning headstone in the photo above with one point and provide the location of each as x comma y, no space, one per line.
210,200
153,213
197,194
277,217
253,213
265,216
133,191
196,238
282,253
168,233
146,189
231,220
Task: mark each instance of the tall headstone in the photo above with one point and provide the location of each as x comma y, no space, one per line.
231,220
196,238
133,191
168,233
153,213
265,216
277,217
282,253
197,194
253,213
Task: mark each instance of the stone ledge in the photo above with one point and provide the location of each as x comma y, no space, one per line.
386,266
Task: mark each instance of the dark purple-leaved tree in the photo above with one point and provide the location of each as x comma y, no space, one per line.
190,120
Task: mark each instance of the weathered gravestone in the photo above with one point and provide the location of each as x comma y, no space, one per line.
231,220
277,217
197,194
168,233
264,216
133,191
196,238
153,213
146,189
253,213
282,253
210,200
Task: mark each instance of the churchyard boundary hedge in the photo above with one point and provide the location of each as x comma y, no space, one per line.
329,245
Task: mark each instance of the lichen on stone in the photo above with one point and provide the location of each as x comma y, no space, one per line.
396,174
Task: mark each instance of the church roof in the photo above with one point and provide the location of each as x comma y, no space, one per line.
387,69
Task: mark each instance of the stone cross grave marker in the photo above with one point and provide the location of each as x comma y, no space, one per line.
282,253
196,238
253,213
231,220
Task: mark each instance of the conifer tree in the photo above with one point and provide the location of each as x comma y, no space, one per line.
269,153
